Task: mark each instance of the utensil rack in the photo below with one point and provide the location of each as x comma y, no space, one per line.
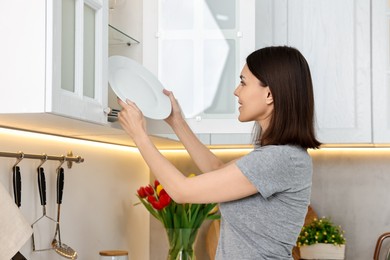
69,158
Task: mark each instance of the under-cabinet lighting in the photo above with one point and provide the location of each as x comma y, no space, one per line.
67,140
223,149
351,151
226,149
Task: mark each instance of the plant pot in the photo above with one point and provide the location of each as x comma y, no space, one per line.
322,251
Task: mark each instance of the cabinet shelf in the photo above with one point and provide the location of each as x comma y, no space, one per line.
117,37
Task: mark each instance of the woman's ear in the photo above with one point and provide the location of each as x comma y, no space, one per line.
269,99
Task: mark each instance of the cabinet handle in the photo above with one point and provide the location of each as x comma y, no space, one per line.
107,110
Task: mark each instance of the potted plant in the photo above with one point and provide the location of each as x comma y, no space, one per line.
321,239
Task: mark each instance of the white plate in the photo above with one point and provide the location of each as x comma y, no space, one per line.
130,80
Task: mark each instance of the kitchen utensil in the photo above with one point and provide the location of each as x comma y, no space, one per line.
130,80
61,248
42,196
17,185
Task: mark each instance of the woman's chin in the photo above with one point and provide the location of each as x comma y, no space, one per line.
242,120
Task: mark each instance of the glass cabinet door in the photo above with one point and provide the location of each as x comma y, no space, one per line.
89,52
80,51
199,46
68,45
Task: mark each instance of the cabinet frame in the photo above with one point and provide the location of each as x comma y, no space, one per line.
75,104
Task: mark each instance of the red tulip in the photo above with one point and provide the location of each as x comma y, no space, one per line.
152,200
163,193
149,190
141,192
162,201
156,183
165,199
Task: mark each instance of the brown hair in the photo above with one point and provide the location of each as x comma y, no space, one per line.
286,72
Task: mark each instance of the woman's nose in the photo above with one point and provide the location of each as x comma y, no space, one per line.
236,91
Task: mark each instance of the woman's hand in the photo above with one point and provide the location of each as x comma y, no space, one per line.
176,113
131,119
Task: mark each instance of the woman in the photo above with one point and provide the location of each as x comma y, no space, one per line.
264,195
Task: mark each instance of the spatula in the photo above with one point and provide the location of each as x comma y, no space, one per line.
42,196
61,248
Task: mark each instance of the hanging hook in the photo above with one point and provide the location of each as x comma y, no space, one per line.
62,161
21,156
43,160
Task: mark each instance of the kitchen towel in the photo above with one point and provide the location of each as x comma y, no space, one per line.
14,228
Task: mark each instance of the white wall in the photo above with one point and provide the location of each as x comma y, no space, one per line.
352,186
97,211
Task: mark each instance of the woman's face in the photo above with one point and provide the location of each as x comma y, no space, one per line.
255,99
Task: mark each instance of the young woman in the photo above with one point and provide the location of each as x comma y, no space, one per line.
264,195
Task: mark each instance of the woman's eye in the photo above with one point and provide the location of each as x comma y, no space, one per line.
242,83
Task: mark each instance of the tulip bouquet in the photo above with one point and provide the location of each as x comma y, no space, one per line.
181,221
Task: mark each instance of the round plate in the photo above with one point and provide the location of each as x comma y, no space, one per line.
130,80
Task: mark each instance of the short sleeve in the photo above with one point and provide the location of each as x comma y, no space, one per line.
268,168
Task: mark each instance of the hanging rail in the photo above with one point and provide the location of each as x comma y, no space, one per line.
69,158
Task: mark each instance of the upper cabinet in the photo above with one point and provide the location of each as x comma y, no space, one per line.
197,49
54,58
344,43
335,38
381,71
54,62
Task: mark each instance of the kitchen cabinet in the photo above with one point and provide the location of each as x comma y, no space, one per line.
54,58
197,50
343,41
381,71
341,44
54,70
334,36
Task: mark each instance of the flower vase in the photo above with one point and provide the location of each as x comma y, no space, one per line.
181,243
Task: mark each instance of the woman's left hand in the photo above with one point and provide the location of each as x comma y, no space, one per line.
131,119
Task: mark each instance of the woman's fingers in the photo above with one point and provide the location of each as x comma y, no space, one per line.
170,95
128,104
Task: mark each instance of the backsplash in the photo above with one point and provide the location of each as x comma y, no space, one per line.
350,185
97,211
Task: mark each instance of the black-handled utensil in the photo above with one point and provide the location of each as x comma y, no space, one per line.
60,185
17,184
42,197
61,248
42,186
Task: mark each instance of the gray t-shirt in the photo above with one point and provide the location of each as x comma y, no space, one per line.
267,224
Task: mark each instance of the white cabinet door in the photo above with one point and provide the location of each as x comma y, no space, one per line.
54,62
381,70
22,52
79,59
334,36
197,49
